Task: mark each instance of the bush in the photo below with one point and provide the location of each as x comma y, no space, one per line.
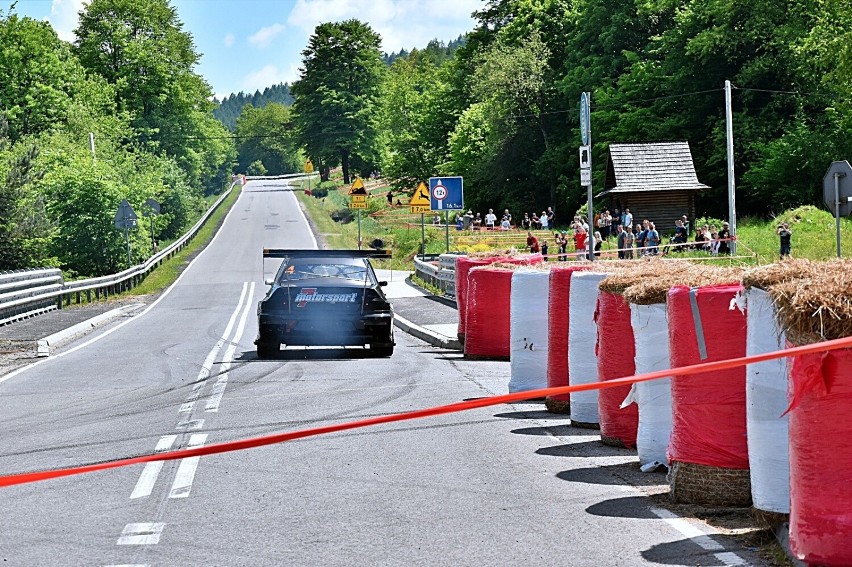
343,216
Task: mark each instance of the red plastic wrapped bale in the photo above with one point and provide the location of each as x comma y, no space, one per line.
557,324
463,266
488,313
821,458
616,359
708,449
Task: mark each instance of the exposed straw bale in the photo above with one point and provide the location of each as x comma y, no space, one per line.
770,274
818,305
631,273
653,290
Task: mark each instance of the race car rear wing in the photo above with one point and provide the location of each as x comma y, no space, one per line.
284,253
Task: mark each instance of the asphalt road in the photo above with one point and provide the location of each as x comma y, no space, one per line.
505,485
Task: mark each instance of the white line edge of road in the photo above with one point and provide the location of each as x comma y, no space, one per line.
108,332
305,219
44,345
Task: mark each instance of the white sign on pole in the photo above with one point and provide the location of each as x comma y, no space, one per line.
585,177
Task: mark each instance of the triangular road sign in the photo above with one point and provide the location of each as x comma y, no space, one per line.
357,187
420,197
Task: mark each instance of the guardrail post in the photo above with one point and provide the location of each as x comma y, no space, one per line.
88,295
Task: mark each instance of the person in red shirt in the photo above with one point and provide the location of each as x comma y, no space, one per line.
580,239
532,243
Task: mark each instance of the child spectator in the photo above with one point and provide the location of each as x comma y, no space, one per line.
544,249
785,236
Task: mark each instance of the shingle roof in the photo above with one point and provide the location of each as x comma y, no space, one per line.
656,166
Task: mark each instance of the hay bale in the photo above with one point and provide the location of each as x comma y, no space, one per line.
692,483
771,274
633,272
818,305
650,291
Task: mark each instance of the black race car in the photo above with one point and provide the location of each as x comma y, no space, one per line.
325,297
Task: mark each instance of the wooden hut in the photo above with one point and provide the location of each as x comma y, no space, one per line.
656,181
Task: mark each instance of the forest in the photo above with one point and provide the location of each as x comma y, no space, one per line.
499,106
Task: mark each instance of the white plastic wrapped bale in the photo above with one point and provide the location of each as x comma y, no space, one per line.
766,402
528,330
654,398
582,336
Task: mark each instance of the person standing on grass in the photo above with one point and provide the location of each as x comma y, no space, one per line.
579,239
724,235
628,244
652,240
532,243
544,249
490,220
785,235
545,222
620,242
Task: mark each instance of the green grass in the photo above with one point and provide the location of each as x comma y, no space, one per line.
167,272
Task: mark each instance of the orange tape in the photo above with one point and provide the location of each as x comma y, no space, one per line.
229,446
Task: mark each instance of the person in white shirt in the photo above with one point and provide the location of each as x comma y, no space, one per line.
544,220
505,224
490,219
627,219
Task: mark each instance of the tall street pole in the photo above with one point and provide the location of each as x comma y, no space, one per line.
732,206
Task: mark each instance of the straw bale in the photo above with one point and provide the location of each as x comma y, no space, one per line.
633,272
653,290
505,266
817,306
765,276
484,255
692,483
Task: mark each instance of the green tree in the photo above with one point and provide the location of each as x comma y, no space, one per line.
267,135
337,95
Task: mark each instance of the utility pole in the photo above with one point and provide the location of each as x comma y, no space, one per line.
586,166
732,206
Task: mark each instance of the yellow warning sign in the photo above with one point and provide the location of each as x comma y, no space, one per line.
357,187
357,205
421,197
358,198
309,166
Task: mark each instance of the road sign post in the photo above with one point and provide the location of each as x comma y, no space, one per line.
446,194
586,166
358,200
125,219
152,209
837,193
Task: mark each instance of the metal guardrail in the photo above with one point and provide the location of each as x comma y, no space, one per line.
45,296
441,274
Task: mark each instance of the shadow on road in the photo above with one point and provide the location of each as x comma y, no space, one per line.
592,448
532,414
681,552
556,431
297,353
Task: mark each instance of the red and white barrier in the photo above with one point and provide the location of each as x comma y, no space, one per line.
708,411
582,335
463,267
766,406
528,336
488,313
616,352
557,324
654,399
821,458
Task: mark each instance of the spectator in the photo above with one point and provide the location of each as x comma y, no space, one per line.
526,222
641,236
562,244
714,243
724,235
436,220
536,222
598,242
477,221
390,198
579,239
544,249
652,240
627,219
616,222
490,220
628,244
620,242
550,216
508,215
505,224
468,219
545,222
685,221
680,235
532,243
785,235
702,238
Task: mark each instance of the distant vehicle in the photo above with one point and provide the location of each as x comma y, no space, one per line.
325,298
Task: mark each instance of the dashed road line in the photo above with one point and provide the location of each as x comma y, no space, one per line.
219,388
141,533
699,538
149,475
204,373
186,470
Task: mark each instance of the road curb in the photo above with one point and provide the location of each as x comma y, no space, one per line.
44,345
426,335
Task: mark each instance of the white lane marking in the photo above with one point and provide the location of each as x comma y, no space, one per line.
305,219
186,470
204,373
219,388
143,533
129,565
698,537
145,484
108,332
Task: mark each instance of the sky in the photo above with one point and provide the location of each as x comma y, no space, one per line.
252,44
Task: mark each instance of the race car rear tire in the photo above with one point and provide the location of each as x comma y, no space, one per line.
267,350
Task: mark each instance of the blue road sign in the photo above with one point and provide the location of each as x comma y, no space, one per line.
585,118
446,193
